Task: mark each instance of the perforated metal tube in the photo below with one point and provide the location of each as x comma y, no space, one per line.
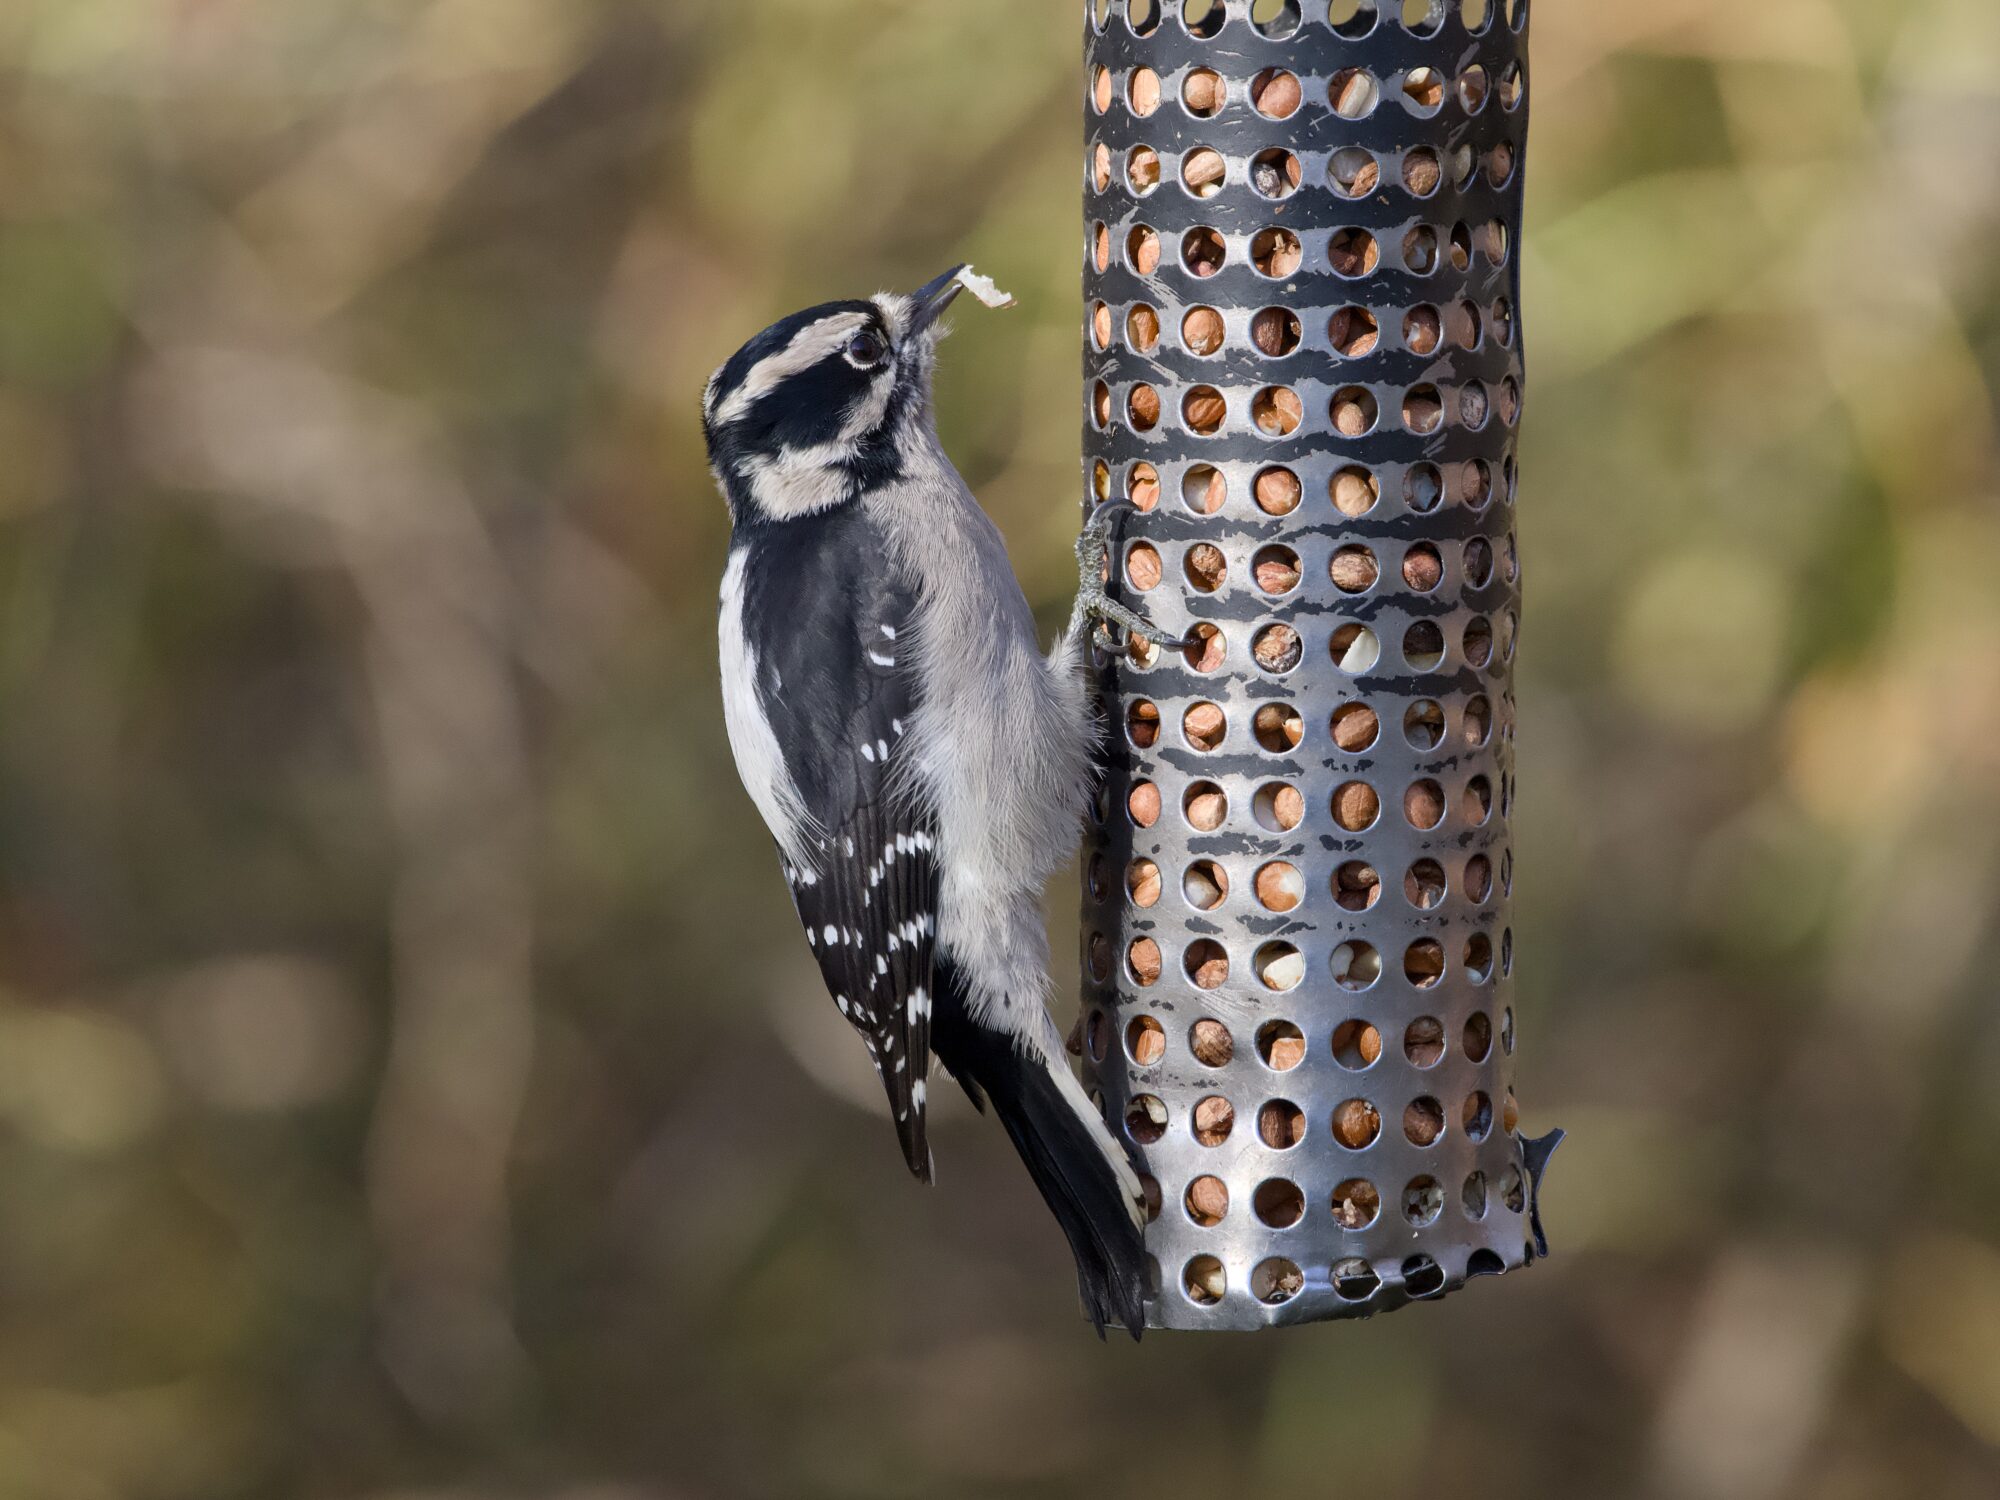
1296,921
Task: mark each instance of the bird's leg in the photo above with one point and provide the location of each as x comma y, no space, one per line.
1093,553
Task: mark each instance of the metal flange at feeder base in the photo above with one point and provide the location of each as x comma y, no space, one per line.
1303,369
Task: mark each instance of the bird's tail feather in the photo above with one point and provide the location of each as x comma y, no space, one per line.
1066,1154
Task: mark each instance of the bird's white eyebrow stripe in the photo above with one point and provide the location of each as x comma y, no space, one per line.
808,347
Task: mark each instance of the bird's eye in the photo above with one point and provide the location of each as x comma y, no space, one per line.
866,350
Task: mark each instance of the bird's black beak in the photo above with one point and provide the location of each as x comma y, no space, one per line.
929,301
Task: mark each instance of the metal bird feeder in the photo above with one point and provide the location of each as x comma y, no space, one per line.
1304,372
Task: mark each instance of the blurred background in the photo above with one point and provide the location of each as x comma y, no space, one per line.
411,1084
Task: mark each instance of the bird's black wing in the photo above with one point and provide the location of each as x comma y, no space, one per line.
839,694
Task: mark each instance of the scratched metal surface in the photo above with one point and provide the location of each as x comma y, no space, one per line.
1484,1181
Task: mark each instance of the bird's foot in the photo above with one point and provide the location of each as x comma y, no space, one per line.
1094,550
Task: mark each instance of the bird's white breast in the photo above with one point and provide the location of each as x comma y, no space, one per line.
758,759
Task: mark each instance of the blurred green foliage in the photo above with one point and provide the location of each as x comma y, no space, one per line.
410,1085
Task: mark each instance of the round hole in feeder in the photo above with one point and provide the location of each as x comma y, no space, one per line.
1278,491
1477,15
1278,727
1142,408
1205,885
1356,1203
1145,1041
1507,872
1276,253
1356,650
1203,18
1354,332
1281,1046
1277,411
1210,1042
1354,491
1423,646
1513,556
1423,885
1512,1191
1473,89
1420,250
1479,1037
1204,410
1356,965
1421,172
1356,886
1507,1031
1510,403
1206,568
1513,84
1423,725
1142,249
1423,17
1423,91
1203,172
1097,957
1356,1045
1352,171
1203,93
1145,1119
1149,1190
1144,962
1276,332
1354,411
1423,1201
1142,328
1463,164
1472,405
1357,1124
1478,642
1353,253
1143,16
1354,569
1142,486
1356,727
1356,807
1100,90
1206,650
1354,1280
1478,879
1100,13
1422,1276
1280,967
1203,1281
1202,331
1142,883
1354,93
1422,329
1281,1125
1206,1201
1476,805
1203,489
1278,807
1503,323
1423,569
1423,963
1353,19
1143,804
1205,726
1213,1120
1142,566
1276,570
1277,649
1276,18
1500,164
1423,804
1100,168
1423,1044
1100,327
1460,253
1096,877
1205,806
1479,562
1476,483
1277,1203
1142,93
1473,1196
1206,964
1507,952
1275,94
1423,1121
1276,174
1477,1116
1276,1281
1478,721
1100,406
1100,481
1465,325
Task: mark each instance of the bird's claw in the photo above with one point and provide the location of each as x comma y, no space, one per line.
1094,549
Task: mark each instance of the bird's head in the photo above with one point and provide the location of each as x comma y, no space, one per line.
826,404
